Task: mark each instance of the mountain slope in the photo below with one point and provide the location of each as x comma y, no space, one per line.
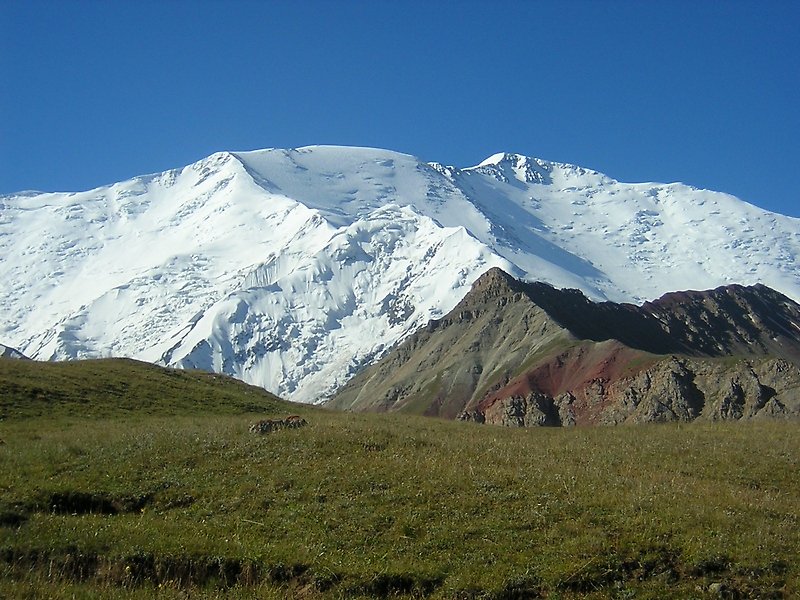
526,354
8,352
111,388
292,269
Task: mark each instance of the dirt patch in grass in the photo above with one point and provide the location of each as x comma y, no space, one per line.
390,585
85,503
10,518
73,565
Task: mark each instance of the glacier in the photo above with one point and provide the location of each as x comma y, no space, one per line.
292,269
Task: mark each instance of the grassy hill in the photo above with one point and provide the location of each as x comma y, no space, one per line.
121,387
123,480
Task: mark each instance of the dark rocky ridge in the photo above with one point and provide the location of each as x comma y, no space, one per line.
529,354
9,352
729,320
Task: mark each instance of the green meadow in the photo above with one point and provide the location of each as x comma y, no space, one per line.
124,480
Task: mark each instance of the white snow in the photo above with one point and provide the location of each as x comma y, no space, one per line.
292,268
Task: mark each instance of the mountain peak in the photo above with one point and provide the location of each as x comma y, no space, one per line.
503,157
495,282
492,276
507,166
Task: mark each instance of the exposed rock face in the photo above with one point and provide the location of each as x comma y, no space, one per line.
270,425
671,390
9,352
526,355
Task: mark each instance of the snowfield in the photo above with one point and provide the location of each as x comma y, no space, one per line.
291,269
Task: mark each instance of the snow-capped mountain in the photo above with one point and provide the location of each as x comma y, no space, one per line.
292,268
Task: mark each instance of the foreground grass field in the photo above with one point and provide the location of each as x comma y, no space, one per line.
177,499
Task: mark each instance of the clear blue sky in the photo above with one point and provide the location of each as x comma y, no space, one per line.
702,92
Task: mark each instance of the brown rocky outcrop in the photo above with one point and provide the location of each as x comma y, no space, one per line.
673,389
527,354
